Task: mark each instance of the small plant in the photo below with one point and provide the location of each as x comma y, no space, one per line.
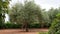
43,33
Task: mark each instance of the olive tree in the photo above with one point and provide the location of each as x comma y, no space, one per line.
26,13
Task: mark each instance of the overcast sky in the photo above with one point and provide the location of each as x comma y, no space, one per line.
44,4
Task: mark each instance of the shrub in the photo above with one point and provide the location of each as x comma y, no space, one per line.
55,27
34,25
31,25
12,25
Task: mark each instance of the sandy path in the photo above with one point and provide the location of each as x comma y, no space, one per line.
20,31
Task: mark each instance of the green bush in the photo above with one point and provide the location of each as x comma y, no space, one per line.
55,27
11,25
34,25
2,25
38,25
31,25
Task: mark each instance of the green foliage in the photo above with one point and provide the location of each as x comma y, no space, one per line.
9,25
3,9
52,14
35,25
16,13
46,19
26,14
29,13
58,32
55,27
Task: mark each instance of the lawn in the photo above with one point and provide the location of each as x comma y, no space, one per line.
43,32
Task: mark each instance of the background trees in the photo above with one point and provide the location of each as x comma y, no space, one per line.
52,13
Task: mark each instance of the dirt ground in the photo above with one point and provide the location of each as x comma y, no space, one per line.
20,31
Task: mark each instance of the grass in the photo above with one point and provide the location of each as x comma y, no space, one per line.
43,32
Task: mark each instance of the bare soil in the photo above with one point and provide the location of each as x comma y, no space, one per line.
21,31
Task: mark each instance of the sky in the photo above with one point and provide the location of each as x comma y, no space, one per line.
7,17
44,4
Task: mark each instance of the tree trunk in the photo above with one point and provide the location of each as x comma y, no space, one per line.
26,27
27,30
